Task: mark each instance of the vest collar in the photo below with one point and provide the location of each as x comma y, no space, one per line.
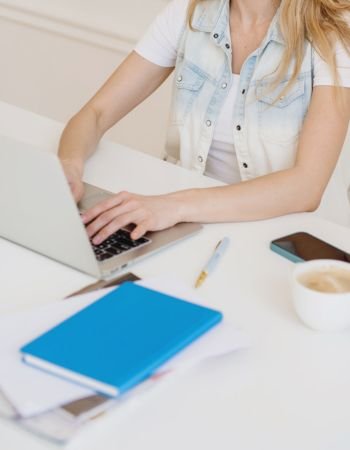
208,13
212,16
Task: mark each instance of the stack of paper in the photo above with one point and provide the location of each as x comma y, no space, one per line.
42,401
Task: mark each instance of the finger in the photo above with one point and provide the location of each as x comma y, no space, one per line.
140,230
103,206
108,216
115,225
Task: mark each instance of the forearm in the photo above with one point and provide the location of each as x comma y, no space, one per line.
132,82
265,197
79,138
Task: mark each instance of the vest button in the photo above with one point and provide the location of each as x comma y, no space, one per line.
238,127
208,122
200,159
243,92
216,35
224,85
227,46
179,78
245,165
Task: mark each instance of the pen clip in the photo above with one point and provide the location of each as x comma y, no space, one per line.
217,245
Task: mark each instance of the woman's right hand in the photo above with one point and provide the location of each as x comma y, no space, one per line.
74,177
111,103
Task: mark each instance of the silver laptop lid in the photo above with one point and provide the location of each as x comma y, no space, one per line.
37,208
156,240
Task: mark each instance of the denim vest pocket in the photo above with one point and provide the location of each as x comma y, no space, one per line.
188,83
281,117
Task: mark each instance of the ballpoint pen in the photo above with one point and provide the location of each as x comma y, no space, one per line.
213,261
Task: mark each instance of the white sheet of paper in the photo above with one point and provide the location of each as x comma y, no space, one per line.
220,340
32,391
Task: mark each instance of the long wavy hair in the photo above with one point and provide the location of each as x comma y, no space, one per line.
321,22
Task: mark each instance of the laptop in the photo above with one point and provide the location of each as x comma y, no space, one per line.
38,212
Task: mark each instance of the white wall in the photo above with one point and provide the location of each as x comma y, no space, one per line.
52,66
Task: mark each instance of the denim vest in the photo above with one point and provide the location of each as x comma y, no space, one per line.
265,131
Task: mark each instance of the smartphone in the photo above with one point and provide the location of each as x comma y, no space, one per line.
302,246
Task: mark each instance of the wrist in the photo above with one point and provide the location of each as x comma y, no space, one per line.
74,164
186,205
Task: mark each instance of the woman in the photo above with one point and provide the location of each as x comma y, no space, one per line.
261,102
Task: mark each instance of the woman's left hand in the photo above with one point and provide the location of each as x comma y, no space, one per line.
148,213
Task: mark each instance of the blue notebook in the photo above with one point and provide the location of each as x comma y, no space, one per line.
121,339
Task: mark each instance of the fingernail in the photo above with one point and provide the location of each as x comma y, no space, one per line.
97,241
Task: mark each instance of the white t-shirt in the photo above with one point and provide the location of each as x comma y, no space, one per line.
159,45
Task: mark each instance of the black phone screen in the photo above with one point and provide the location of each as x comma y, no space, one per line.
306,247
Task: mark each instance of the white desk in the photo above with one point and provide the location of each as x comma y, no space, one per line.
290,391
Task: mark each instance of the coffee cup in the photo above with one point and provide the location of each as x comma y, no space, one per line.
321,294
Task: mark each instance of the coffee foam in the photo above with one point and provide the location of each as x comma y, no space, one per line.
327,280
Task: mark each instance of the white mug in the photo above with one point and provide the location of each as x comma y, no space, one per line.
322,311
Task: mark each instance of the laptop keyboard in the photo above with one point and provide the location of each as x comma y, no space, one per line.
117,243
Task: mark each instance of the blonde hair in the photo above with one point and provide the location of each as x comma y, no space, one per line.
321,22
